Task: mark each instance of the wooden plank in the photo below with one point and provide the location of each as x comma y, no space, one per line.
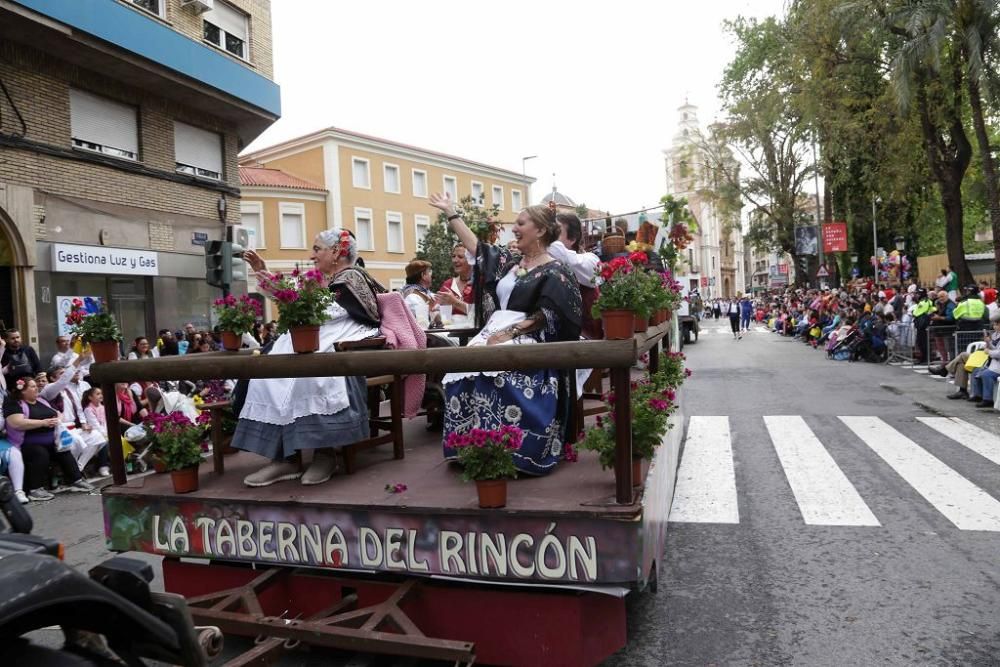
581,354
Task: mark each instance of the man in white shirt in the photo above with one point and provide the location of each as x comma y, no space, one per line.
64,354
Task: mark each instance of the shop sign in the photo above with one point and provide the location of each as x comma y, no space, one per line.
199,238
95,259
481,546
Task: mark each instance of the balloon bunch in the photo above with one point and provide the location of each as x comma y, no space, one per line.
894,266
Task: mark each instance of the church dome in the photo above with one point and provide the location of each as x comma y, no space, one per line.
560,199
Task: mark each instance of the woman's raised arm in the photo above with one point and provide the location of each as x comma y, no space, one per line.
443,203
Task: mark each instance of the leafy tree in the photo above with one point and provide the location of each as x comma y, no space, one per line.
439,242
582,211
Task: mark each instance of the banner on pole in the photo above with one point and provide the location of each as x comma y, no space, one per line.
835,237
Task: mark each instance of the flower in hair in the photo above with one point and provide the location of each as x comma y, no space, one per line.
20,384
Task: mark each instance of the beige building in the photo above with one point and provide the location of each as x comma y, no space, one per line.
376,188
119,136
714,262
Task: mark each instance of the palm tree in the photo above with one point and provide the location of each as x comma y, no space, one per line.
964,32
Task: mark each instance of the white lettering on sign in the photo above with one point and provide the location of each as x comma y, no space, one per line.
94,259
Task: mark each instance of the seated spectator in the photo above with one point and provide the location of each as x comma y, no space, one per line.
31,426
984,380
87,443
417,292
12,465
457,290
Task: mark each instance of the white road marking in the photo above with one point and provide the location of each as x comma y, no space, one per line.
823,492
980,441
706,478
959,500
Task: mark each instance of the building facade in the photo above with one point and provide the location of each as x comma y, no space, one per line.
120,125
378,189
715,259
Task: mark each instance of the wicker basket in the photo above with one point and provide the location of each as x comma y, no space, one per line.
613,244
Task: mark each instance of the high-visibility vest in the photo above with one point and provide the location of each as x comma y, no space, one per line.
923,308
972,308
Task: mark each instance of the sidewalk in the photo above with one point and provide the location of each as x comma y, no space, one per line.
930,392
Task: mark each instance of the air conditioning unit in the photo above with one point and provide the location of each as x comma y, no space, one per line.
199,6
244,236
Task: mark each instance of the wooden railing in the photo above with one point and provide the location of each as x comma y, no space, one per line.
617,355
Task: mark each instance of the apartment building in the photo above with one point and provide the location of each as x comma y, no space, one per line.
376,188
120,125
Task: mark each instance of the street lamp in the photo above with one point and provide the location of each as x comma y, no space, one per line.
900,243
875,200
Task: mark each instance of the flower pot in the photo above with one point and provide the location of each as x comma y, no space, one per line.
636,472
231,341
641,323
492,492
159,466
666,314
618,324
185,480
305,338
105,350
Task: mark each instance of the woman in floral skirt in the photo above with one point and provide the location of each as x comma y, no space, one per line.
524,296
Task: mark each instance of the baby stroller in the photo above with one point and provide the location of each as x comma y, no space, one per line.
845,349
139,440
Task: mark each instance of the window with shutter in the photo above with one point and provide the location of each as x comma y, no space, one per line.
498,196
252,217
421,225
394,231
197,152
419,183
515,200
226,27
363,228
391,174
451,188
361,178
477,193
101,125
292,225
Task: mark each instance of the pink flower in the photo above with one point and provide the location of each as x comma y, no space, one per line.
569,453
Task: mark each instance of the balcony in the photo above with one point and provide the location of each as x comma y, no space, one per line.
119,42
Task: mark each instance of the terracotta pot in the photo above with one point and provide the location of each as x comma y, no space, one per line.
618,324
185,480
305,338
636,472
159,466
662,316
105,350
231,341
492,492
641,324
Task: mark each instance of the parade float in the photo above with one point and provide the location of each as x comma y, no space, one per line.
397,554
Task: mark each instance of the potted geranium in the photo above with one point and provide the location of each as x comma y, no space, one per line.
97,328
302,298
651,408
235,317
487,457
178,445
618,298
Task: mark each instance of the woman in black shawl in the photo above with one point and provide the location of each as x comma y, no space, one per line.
522,296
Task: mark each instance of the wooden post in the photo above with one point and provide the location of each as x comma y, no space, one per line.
654,358
621,385
114,433
218,463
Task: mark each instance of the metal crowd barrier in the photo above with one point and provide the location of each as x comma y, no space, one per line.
901,342
951,341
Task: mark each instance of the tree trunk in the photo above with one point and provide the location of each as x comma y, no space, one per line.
948,154
989,170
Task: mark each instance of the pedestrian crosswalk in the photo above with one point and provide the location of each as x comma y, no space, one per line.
706,488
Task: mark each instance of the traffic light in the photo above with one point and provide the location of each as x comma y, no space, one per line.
234,260
216,262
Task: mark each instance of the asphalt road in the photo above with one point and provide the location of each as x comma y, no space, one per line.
886,551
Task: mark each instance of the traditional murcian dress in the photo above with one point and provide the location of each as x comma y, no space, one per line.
537,402
283,415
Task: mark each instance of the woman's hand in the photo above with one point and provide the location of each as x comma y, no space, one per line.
447,297
499,337
51,422
442,202
254,260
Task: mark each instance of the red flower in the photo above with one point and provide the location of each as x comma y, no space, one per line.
638,258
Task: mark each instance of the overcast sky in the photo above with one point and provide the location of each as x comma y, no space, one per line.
591,88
